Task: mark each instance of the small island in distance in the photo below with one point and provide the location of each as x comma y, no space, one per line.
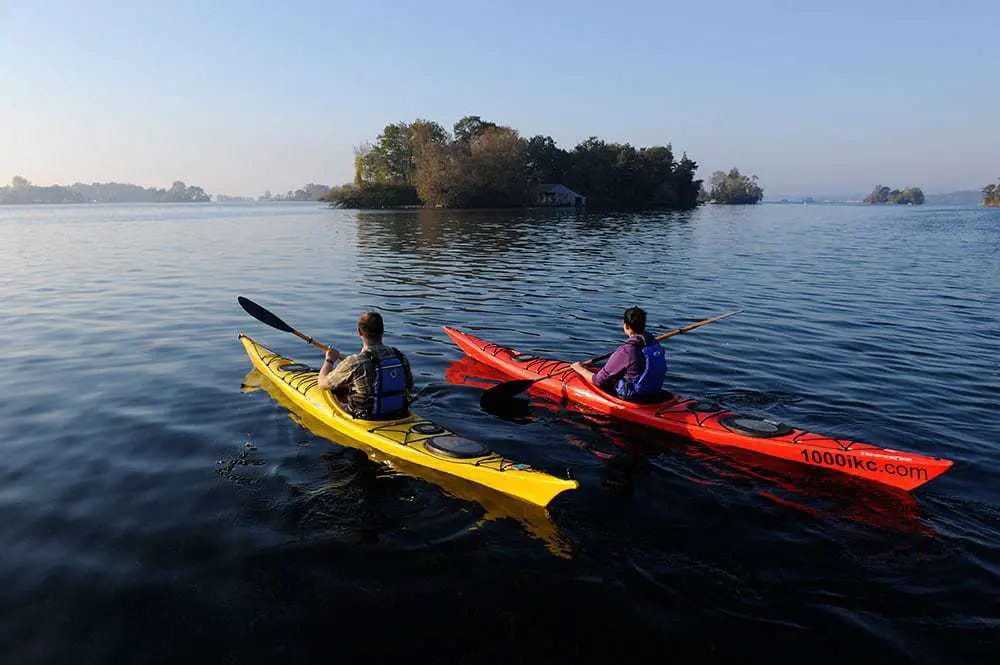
732,188
882,194
22,192
965,197
310,192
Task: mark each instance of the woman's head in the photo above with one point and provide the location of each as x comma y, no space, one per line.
635,319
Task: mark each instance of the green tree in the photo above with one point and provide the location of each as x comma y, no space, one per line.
338,193
392,155
471,127
195,194
734,188
991,196
489,171
365,167
622,176
115,192
911,195
314,192
442,175
181,193
175,194
22,192
546,162
881,194
392,159
499,168
685,185
373,195
592,171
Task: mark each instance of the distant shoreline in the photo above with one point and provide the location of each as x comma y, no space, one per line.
148,203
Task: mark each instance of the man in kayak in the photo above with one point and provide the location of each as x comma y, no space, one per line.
376,382
635,371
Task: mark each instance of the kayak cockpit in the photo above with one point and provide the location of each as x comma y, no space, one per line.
659,398
662,397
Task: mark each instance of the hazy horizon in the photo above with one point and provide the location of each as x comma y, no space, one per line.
239,98
276,192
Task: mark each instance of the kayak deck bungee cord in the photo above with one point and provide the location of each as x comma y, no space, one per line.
709,423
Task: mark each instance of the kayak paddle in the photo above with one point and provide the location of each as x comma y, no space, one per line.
265,316
495,396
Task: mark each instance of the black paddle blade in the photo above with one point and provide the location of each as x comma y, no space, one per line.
516,410
498,398
263,315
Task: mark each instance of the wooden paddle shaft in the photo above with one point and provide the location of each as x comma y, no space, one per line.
310,340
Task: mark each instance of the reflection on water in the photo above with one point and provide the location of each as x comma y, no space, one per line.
509,272
150,512
625,448
365,469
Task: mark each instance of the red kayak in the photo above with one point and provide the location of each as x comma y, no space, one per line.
708,423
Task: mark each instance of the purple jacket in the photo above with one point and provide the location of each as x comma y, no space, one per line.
627,362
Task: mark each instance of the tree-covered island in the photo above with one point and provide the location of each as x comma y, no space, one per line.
481,164
991,196
733,188
882,194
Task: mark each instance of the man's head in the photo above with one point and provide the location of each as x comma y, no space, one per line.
370,326
635,320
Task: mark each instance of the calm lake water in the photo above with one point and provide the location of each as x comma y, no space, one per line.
155,510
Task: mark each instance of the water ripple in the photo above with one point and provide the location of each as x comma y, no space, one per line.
150,511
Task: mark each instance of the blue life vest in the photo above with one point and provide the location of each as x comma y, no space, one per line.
390,388
650,382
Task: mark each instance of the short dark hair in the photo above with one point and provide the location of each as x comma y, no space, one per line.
636,319
370,325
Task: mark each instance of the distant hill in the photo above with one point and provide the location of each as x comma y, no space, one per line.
30,194
310,192
969,197
815,198
22,192
116,192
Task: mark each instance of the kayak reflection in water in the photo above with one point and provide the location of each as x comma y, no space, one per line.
635,371
376,383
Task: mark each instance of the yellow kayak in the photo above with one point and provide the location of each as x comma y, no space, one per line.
496,505
412,439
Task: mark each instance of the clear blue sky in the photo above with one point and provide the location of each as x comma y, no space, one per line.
239,97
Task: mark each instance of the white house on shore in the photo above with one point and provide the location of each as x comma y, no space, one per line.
558,195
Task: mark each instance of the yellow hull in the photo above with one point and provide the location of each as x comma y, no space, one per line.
406,439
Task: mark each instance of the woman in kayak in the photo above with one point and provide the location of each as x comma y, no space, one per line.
635,371
377,381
